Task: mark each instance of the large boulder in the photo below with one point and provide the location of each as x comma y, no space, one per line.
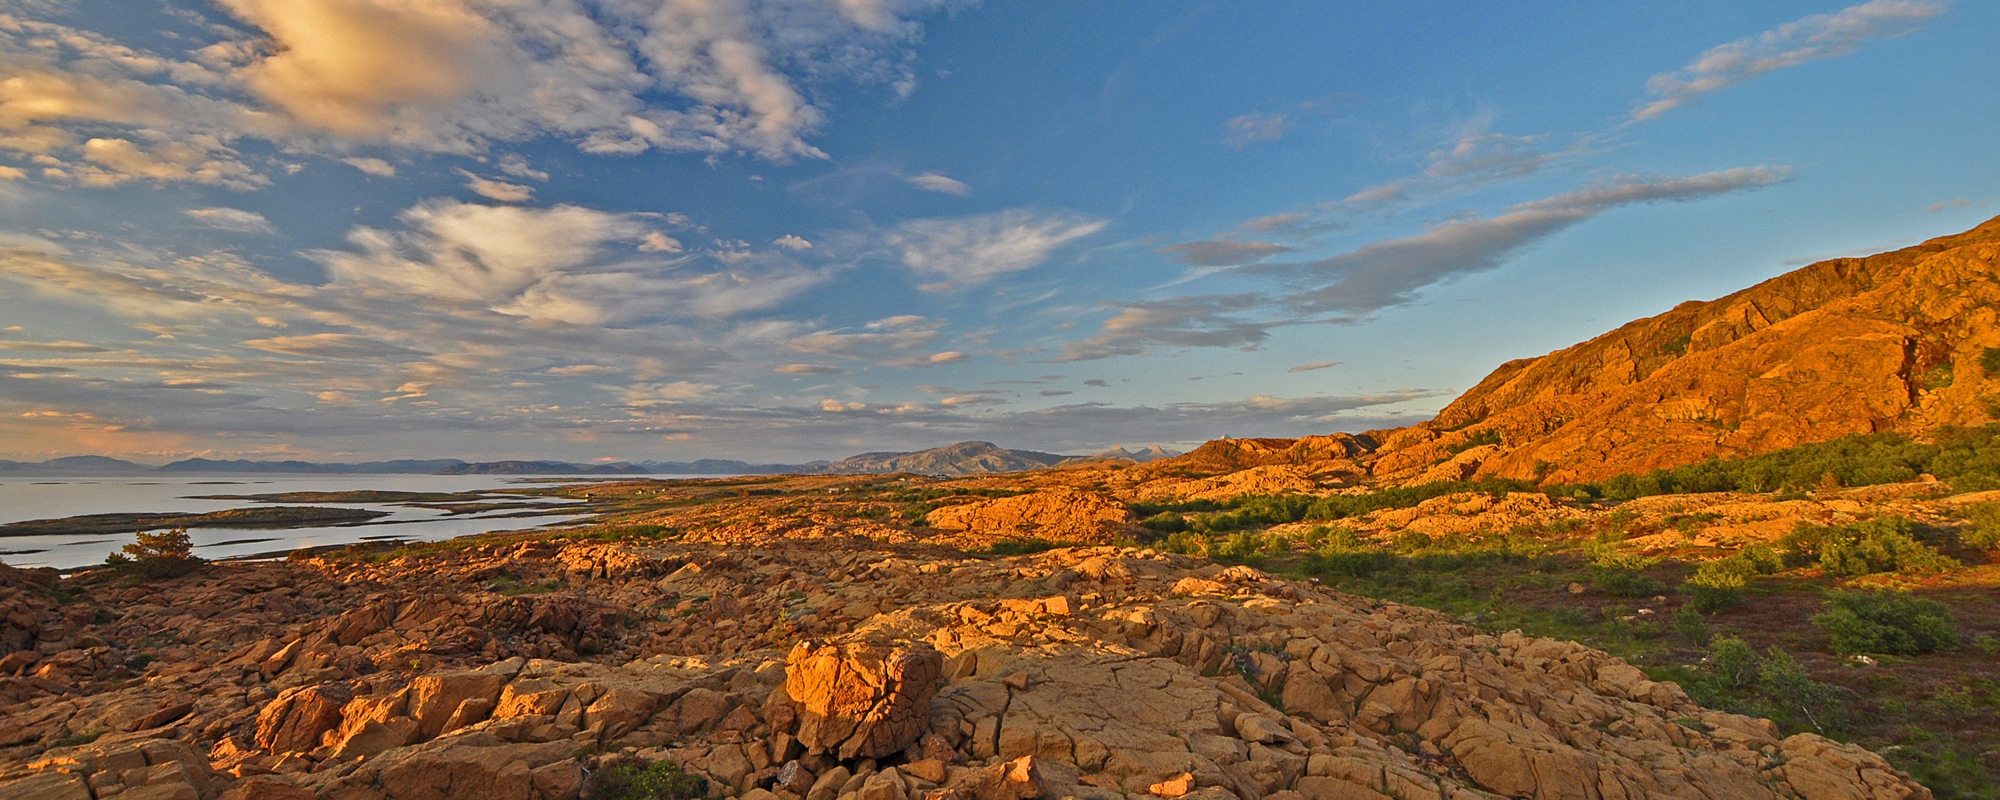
299,717
861,700
437,701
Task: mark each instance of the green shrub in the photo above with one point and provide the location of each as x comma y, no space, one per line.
1733,661
1165,522
1862,548
1989,360
1412,541
1350,563
1983,531
1480,439
1626,582
1714,590
1247,547
1185,543
1719,584
1773,685
1791,691
1021,547
1967,458
660,780
1892,623
166,554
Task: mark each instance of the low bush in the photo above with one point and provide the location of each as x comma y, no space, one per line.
1165,522
1626,582
1773,685
1793,694
1350,563
660,780
1733,661
1020,547
1719,584
1886,544
166,554
1983,526
1891,623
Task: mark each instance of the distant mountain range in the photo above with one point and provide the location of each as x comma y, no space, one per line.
964,458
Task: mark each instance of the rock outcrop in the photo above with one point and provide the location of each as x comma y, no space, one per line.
843,669
1335,453
1056,514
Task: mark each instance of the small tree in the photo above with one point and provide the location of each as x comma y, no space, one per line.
166,554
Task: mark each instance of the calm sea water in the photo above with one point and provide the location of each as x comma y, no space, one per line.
26,498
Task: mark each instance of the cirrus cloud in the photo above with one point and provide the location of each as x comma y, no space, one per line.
1802,41
966,251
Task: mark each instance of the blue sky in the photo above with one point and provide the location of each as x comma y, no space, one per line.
790,229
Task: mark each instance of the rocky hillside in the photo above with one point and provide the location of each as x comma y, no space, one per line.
964,458
1852,345
835,669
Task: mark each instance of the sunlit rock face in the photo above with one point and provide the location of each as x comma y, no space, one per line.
1852,345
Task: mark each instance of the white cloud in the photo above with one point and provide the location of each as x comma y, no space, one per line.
947,357
657,242
933,182
347,68
448,76
1249,129
837,406
1313,366
1801,41
1346,287
232,219
517,165
1194,321
330,345
199,159
498,190
1223,252
1390,272
965,251
1480,152
572,370
1271,223
1372,195
793,243
808,369
561,264
672,392
372,166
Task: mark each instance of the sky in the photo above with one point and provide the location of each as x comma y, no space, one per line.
781,230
